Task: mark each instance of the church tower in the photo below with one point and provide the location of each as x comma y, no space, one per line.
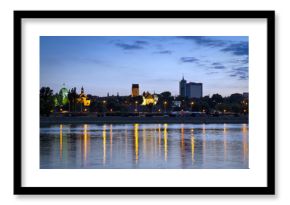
135,90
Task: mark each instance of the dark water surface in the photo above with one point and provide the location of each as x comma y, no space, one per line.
144,146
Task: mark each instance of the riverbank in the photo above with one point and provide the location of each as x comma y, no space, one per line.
136,119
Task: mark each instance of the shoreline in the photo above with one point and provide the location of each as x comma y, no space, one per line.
143,120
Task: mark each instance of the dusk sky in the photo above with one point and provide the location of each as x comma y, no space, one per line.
111,64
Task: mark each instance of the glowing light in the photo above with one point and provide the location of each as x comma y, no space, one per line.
136,135
165,142
182,138
126,142
245,141
104,144
111,140
85,141
192,146
149,99
60,141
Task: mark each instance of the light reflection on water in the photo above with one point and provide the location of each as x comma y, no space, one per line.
144,146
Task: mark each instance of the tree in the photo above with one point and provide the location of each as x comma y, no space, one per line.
46,101
72,97
236,98
166,94
217,98
236,108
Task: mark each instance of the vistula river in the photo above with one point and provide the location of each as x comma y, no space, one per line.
144,146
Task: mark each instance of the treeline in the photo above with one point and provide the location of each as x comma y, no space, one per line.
70,101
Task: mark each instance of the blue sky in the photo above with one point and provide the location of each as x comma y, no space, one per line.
111,64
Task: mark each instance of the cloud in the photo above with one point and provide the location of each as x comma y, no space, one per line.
240,61
239,49
211,73
241,73
189,59
126,46
164,52
141,42
218,66
205,41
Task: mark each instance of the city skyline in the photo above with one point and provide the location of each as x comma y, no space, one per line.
111,64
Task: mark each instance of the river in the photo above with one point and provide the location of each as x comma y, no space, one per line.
144,146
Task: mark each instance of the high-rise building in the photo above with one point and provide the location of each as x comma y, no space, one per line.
135,90
190,90
182,87
194,90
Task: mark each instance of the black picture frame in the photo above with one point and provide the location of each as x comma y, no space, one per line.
268,190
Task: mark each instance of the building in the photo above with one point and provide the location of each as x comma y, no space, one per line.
182,87
83,99
149,99
194,90
245,95
135,90
190,90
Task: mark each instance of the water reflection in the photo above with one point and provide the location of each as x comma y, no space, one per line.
225,142
165,142
192,144
60,141
136,134
104,144
170,146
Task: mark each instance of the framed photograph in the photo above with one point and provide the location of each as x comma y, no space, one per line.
144,102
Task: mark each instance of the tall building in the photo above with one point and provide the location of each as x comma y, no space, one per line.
182,87
190,90
194,90
135,90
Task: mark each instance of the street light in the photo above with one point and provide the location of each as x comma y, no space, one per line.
165,103
104,103
192,103
136,102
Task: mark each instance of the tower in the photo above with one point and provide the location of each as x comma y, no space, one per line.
82,90
135,90
182,87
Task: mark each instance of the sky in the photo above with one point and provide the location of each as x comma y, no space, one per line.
111,64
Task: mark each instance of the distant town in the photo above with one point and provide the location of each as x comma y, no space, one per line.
190,101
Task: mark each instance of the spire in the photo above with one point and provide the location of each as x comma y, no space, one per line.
82,89
182,76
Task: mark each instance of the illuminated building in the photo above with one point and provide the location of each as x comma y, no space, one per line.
61,98
135,90
149,99
84,99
